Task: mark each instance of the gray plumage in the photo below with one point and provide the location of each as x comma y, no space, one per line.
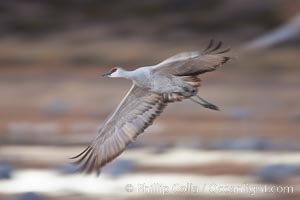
153,88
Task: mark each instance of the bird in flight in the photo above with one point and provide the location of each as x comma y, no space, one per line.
172,80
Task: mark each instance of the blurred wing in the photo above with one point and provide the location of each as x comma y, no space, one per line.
193,63
135,113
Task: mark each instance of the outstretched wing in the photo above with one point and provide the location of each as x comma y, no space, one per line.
135,113
193,63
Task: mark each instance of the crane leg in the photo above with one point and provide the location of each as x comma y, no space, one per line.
204,103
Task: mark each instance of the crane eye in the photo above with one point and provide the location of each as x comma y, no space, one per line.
113,70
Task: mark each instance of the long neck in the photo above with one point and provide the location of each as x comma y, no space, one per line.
139,76
126,74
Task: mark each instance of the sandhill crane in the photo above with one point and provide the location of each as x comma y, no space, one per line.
172,80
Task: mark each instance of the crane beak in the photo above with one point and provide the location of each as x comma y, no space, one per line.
106,74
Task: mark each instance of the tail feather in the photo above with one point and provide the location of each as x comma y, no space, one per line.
191,80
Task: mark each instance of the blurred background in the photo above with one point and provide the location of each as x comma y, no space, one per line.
53,101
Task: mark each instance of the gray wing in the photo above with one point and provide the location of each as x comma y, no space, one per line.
193,63
135,113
